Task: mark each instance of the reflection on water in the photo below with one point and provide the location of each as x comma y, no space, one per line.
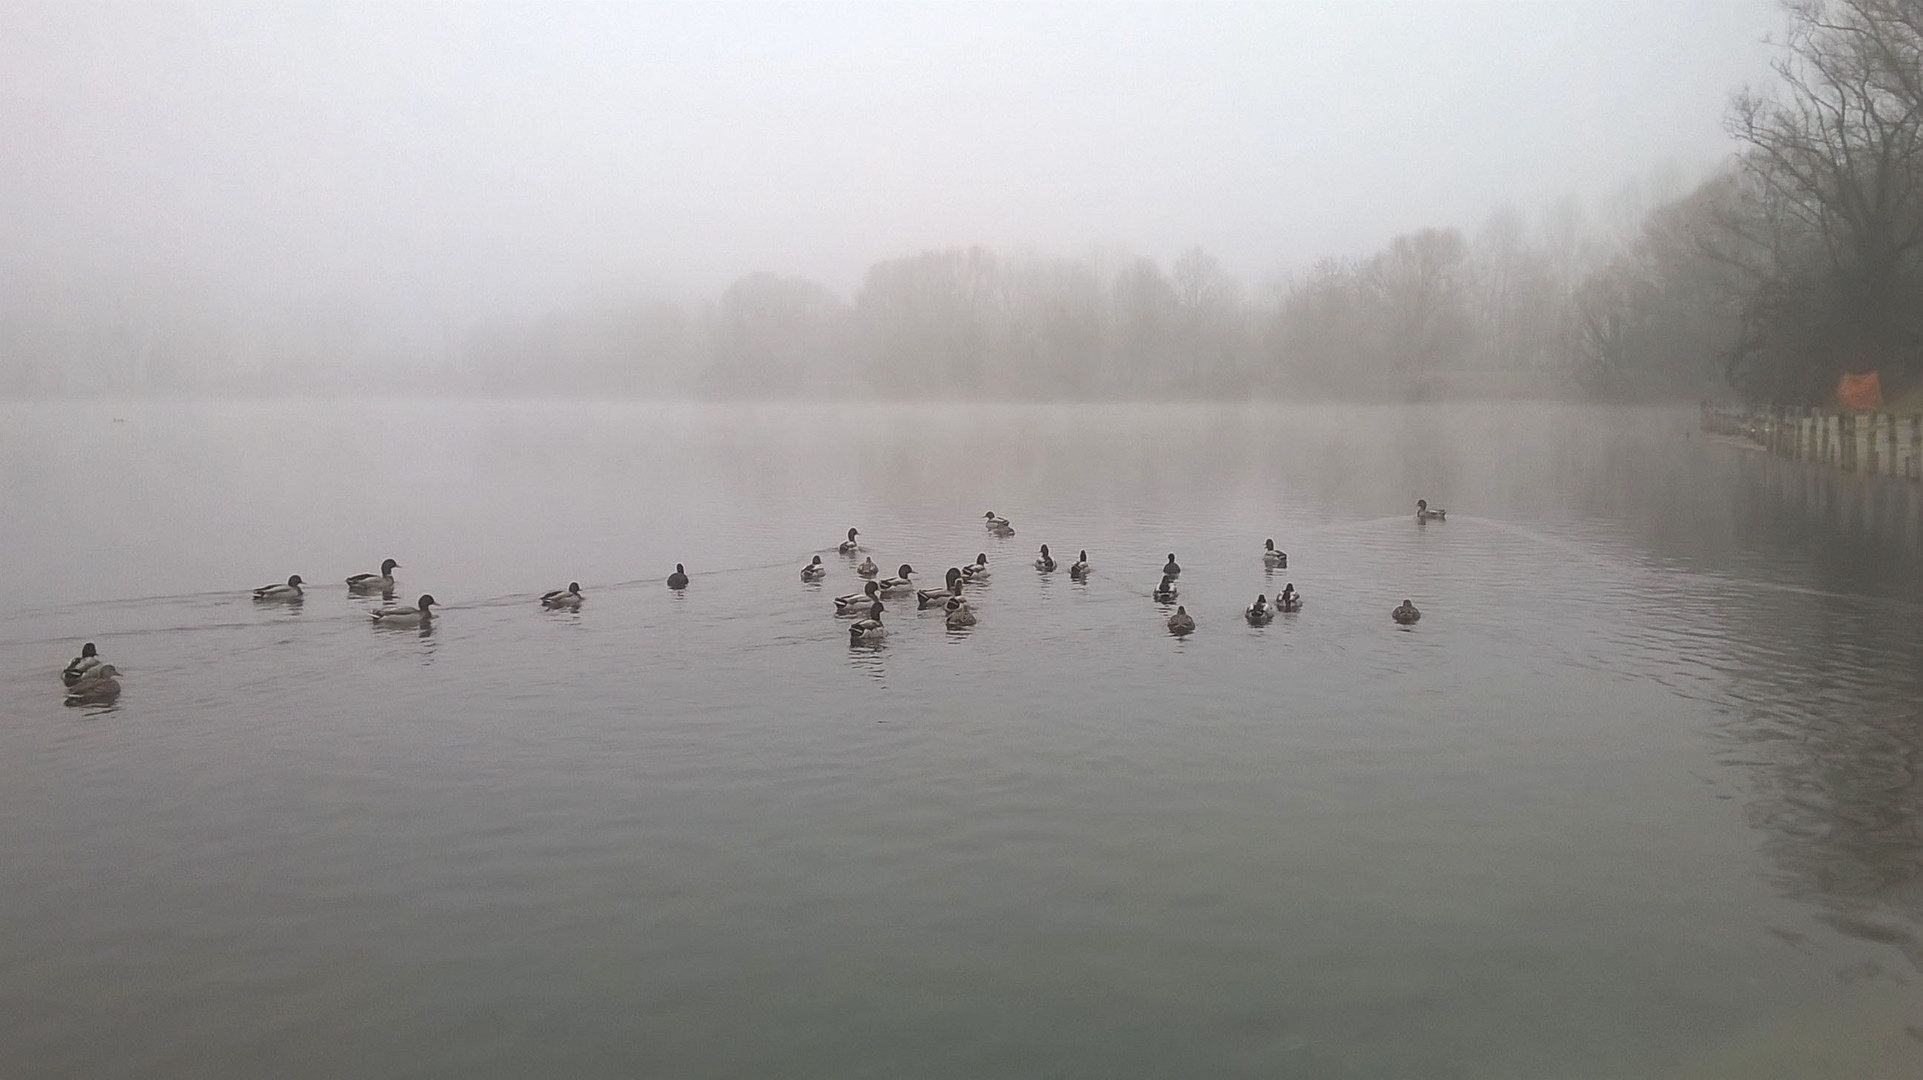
1640,789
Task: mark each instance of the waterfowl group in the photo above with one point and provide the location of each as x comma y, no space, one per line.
568,599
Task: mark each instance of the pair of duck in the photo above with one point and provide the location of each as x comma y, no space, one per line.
955,614
1046,564
382,582
1262,612
88,680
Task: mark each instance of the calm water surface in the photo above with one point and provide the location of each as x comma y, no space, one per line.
1638,796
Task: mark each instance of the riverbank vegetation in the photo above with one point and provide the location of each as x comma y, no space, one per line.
1797,260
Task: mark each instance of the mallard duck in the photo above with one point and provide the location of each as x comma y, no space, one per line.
1165,592
406,616
901,582
87,661
1423,513
1046,562
678,579
380,582
1288,599
1405,614
854,602
868,629
814,571
1260,613
927,598
848,546
1172,569
977,570
1276,560
1080,569
993,523
959,614
867,568
569,598
99,685
1181,622
289,591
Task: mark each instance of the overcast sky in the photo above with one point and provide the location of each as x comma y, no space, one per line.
468,159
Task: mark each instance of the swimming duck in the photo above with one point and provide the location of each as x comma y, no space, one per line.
868,629
848,546
927,598
678,579
814,571
854,602
99,685
1423,513
977,570
1173,569
1165,592
1046,562
1181,622
1405,614
1079,571
867,568
568,599
1260,613
1288,599
406,616
899,583
993,523
289,591
959,614
1277,560
88,660
380,582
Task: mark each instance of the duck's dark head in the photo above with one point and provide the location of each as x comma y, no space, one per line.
1268,545
1171,556
574,587
990,516
817,561
1166,582
1422,504
88,650
388,566
1044,549
954,576
1408,603
981,558
905,570
874,611
426,601
679,569
1083,557
871,589
294,581
851,534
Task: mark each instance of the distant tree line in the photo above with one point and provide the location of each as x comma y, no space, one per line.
1800,260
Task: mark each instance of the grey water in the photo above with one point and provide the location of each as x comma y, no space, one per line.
1639,788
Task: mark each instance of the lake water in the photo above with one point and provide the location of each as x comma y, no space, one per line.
1638,797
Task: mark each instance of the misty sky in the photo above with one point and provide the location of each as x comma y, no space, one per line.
467,160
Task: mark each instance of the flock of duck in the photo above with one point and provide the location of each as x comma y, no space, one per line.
90,681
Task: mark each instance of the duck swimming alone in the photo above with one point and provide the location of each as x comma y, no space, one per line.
77,669
289,591
1423,513
417,615
1277,560
1259,613
959,614
868,629
1181,622
927,598
380,582
867,568
993,523
977,570
1047,562
1165,592
814,571
678,579
853,603
1079,570
848,546
568,599
1405,614
1288,599
1173,569
99,685
901,582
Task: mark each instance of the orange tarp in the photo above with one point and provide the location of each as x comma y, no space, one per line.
1860,391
